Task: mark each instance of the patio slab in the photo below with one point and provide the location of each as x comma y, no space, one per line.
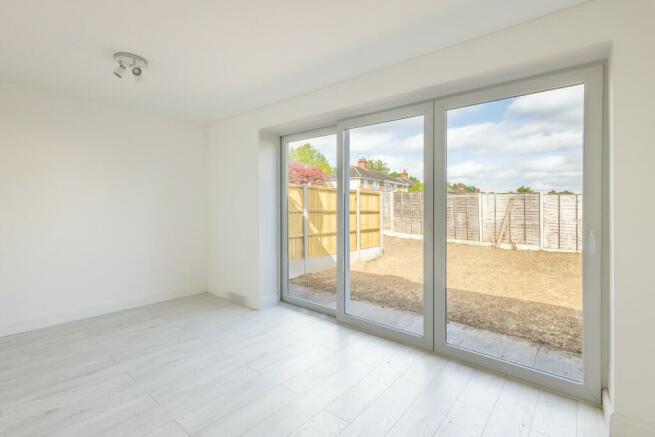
513,349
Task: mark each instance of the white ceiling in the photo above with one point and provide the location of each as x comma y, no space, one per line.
212,59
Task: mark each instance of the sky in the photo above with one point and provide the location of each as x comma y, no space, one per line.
533,140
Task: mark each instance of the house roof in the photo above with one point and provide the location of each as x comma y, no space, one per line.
357,172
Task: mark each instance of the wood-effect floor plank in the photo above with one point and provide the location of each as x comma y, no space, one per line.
201,365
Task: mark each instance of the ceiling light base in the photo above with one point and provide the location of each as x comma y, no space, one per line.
127,60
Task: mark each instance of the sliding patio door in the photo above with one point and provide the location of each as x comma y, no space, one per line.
518,217
385,170
469,224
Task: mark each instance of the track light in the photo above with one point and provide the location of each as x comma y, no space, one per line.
135,62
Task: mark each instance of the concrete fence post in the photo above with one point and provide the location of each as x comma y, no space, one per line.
391,210
357,224
542,199
480,221
381,230
305,226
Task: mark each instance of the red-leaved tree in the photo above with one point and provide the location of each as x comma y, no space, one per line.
300,174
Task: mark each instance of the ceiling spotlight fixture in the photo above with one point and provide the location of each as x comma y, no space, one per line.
126,60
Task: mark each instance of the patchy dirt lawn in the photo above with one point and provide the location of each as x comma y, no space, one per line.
530,294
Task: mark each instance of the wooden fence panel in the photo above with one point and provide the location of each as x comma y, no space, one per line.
296,235
322,221
353,220
369,219
489,214
387,211
563,222
523,226
501,218
319,218
494,209
462,221
408,212
551,222
579,222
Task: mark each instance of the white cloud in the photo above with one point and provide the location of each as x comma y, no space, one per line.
399,153
564,105
537,142
541,174
467,170
535,123
508,137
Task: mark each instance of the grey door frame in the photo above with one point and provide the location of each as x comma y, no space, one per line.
592,78
343,192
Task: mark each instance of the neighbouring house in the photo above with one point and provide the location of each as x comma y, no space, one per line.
461,188
367,179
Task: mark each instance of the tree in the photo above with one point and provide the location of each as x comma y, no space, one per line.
378,165
458,186
415,185
301,174
560,192
524,189
311,157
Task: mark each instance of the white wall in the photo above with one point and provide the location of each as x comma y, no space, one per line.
242,263
100,208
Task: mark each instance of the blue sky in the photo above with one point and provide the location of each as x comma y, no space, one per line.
533,140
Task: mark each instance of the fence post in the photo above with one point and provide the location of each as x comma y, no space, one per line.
480,228
452,208
359,241
509,218
559,222
381,231
466,214
525,226
576,223
305,226
391,202
542,199
495,220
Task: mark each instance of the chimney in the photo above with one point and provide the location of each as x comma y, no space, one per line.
404,175
362,162
461,188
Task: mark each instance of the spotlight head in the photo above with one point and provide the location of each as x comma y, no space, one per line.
120,71
136,71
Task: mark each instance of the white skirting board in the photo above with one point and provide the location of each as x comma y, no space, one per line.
266,301
234,297
85,313
621,426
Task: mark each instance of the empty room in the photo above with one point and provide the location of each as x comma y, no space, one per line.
337,218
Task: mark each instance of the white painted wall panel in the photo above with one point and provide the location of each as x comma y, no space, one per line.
100,208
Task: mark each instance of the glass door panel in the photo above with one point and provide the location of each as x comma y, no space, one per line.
514,230
311,217
386,244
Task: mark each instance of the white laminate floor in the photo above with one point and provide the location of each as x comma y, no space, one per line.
204,366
